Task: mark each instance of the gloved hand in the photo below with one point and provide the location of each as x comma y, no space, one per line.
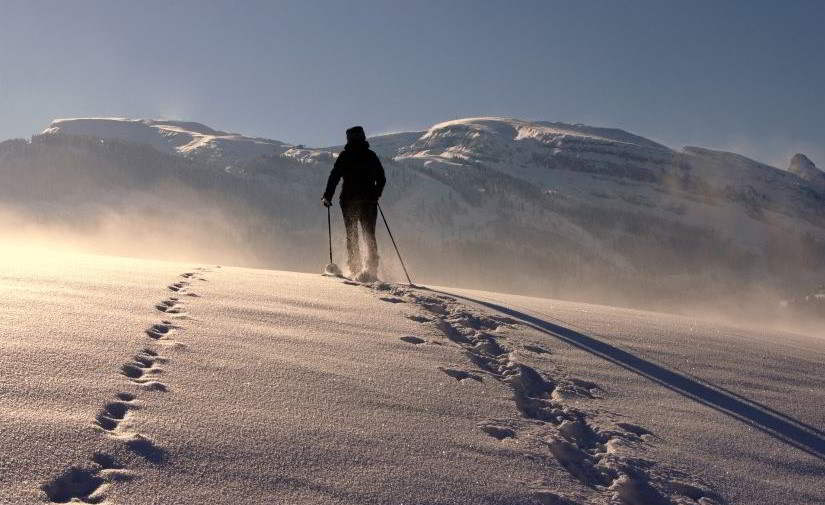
325,202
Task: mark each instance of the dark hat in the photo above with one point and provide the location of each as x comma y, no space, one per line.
356,134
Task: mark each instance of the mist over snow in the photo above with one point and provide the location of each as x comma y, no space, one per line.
534,207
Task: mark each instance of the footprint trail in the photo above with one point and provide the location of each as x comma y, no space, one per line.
88,483
606,457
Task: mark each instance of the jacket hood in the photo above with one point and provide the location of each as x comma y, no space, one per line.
356,135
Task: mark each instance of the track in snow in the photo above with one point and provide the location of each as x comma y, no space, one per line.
88,483
554,409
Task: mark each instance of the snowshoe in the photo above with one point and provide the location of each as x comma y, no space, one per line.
332,270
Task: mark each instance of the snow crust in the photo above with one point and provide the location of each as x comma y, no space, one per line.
133,381
508,140
186,138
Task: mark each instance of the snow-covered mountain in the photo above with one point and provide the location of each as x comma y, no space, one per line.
540,207
805,169
190,139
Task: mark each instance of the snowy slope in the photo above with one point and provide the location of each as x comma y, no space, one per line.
492,139
497,203
147,382
732,404
189,139
806,170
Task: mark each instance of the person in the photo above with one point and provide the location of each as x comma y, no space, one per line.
363,184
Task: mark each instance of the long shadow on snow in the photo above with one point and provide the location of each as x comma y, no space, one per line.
782,427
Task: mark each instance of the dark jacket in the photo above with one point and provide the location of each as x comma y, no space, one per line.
362,172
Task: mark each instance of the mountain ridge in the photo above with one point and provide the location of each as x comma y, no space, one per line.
190,137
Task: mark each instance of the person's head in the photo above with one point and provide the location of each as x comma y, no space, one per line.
356,135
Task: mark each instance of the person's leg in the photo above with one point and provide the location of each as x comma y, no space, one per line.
351,213
369,216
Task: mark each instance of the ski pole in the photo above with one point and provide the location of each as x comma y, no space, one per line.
329,228
394,244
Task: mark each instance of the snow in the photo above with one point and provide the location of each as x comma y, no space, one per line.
737,406
177,383
803,167
593,202
186,138
520,129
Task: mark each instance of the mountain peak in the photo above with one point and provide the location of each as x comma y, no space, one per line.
800,162
802,166
518,129
188,138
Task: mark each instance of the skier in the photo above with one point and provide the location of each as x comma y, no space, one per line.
364,182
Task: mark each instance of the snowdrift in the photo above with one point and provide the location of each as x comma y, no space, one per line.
133,381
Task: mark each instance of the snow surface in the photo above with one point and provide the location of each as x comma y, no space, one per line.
134,381
186,138
514,141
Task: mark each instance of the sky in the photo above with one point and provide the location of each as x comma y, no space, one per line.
745,76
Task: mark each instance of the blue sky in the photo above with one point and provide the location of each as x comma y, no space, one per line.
747,76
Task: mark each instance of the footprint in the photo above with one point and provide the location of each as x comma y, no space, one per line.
171,306
419,319
106,423
161,330
107,420
391,299
636,490
114,412
178,287
187,275
85,485
147,359
490,347
144,361
142,364
413,340
460,375
75,484
576,461
132,371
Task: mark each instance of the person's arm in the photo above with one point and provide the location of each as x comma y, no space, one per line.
334,177
380,178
